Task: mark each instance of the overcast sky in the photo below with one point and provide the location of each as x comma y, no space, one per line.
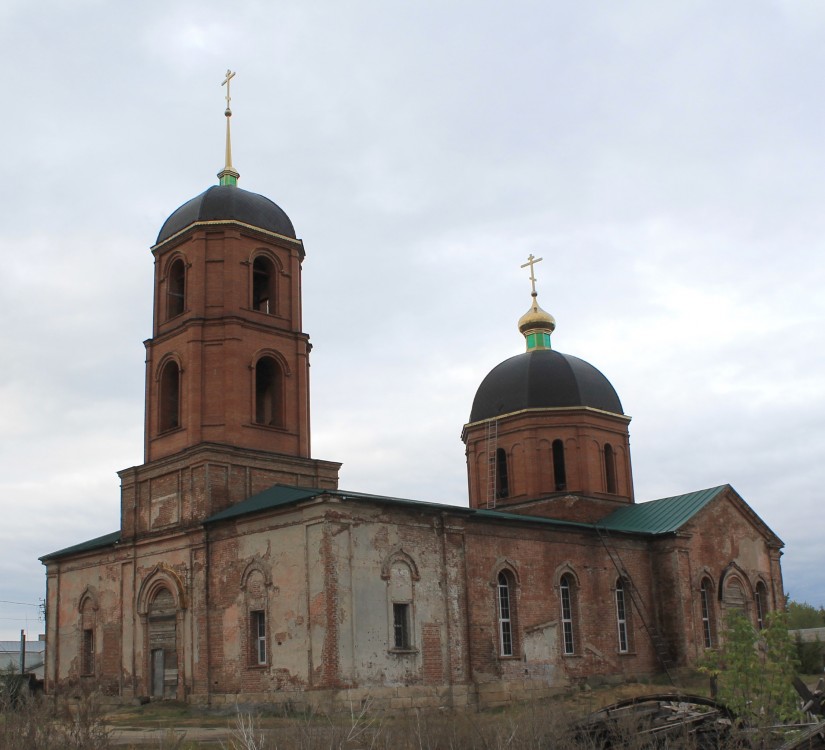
666,159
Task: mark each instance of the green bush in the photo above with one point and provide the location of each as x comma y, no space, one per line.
754,670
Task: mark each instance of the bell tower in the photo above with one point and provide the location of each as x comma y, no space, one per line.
227,367
547,434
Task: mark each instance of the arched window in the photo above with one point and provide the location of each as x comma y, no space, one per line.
268,392
761,597
255,588
175,289
505,601
170,396
256,584
263,285
87,636
706,602
502,475
610,468
400,587
621,616
567,594
559,473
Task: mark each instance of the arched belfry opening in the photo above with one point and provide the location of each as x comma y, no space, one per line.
264,280
269,396
176,289
169,389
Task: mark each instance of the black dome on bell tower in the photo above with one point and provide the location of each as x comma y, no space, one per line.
225,203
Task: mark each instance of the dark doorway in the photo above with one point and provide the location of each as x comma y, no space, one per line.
163,645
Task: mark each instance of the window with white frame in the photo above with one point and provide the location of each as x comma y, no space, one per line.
566,596
621,616
505,615
707,613
258,632
761,597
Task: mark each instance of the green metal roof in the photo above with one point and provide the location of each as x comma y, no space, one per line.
273,497
663,516
107,540
283,495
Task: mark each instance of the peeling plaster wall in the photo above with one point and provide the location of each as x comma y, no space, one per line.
326,575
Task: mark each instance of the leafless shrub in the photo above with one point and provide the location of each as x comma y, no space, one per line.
31,723
82,723
248,734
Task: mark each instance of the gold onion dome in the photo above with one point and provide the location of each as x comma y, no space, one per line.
536,319
536,325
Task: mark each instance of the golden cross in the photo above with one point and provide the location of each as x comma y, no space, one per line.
229,76
531,261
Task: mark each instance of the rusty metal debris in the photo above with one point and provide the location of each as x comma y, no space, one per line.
657,721
693,721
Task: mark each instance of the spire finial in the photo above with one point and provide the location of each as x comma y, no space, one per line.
228,175
531,261
536,324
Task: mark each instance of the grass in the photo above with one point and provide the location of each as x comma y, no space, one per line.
171,725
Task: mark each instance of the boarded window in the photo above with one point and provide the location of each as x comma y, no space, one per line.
735,594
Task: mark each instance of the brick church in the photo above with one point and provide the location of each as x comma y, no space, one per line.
242,572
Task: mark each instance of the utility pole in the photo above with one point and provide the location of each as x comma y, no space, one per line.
22,652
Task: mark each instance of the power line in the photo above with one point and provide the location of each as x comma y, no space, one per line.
22,604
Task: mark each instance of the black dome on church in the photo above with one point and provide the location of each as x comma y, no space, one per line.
228,203
543,379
